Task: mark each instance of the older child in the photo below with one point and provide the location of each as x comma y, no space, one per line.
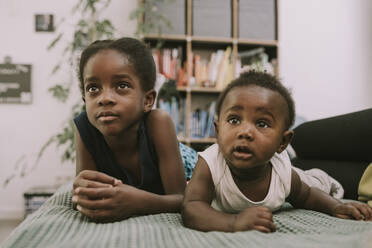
127,156
238,182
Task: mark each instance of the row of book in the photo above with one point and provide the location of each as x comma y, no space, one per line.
202,122
215,70
168,62
201,119
176,110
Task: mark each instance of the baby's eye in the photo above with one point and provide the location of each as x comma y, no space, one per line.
233,120
123,85
262,124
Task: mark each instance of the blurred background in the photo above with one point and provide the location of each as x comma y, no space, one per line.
324,56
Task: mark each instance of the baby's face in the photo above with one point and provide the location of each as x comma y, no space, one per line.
251,127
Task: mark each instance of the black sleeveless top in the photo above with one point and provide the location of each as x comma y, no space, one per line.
106,162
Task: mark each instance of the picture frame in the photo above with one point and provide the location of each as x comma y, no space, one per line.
44,23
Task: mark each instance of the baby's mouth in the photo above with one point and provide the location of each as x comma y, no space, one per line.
242,152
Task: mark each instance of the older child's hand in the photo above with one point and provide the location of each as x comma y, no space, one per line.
94,179
107,204
254,218
352,210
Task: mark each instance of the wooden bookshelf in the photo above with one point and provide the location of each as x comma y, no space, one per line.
192,43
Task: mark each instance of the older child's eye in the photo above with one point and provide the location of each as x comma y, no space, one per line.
262,124
123,85
92,88
233,120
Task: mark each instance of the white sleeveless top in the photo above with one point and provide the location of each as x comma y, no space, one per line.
229,198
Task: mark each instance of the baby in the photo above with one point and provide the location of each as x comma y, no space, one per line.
238,182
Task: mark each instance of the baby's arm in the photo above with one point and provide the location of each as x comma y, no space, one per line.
198,214
303,196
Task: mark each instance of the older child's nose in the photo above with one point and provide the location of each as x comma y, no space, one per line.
106,97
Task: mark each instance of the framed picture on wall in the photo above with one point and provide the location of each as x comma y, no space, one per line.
44,23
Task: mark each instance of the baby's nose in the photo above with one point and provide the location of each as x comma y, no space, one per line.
246,131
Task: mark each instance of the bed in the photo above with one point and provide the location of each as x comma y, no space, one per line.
317,143
56,224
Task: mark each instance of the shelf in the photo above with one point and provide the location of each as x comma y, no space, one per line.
207,39
173,37
242,41
197,140
197,49
199,89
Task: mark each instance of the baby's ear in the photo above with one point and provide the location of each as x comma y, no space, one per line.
149,100
215,122
286,139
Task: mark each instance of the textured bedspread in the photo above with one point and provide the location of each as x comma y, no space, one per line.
56,224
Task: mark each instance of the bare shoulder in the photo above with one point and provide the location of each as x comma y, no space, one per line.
158,117
201,186
160,125
299,190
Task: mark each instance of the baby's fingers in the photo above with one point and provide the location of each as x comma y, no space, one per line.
265,225
351,210
262,229
365,210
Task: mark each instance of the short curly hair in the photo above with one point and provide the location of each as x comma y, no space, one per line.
136,52
263,80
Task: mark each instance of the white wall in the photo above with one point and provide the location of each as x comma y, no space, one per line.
25,128
326,55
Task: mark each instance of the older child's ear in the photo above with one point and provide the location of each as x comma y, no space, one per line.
286,139
149,100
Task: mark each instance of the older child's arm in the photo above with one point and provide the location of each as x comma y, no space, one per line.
303,196
198,214
163,135
86,175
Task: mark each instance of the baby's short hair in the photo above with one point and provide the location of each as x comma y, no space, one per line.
263,80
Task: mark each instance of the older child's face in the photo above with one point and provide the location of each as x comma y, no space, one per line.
113,94
251,127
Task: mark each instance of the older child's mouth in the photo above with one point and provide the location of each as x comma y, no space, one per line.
107,116
242,152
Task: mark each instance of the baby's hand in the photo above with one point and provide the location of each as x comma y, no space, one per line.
352,210
254,218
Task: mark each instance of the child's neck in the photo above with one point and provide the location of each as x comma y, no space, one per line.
254,174
125,142
255,184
